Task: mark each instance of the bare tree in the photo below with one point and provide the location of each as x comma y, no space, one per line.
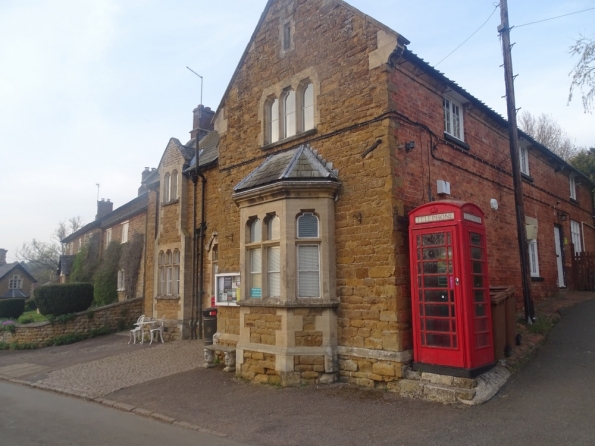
583,73
546,131
43,257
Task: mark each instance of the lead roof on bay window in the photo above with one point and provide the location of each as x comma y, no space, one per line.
299,164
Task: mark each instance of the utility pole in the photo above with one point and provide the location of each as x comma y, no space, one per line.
504,30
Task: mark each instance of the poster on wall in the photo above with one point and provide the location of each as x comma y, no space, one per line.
227,288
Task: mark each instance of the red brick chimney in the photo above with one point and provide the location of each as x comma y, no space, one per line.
3,256
104,208
202,122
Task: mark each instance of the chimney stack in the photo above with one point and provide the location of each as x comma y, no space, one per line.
202,122
3,256
143,186
104,208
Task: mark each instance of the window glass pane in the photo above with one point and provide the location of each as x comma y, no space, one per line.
168,280
176,256
476,253
308,110
479,296
274,121
435,281
168,257
475,239
433,239
289,108
477,267
308,226
274,228
456,121
308,271
274,276
255,273
436,296
166,188
174,186
447,127
256,231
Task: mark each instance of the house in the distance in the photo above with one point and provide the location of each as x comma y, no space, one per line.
15,280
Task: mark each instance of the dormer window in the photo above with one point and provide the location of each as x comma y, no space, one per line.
15,283
453,118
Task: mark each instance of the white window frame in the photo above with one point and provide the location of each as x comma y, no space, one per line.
16,282
121,285
161,274
453,118
108,237
575,234
533,258
524,160
572,184
125,228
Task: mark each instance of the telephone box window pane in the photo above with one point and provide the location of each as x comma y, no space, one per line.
448,238
454,326
481,325
435,340
436,296
452,311
482,339
434,253
435,281
438,325
437,310
421,296
419,254
479,296
480,310
476,253
478,267
478,281
418,241
475,239
433,239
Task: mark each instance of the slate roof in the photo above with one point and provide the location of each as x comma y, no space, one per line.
122,213
209,147
298,164
65,264
7,268
12,294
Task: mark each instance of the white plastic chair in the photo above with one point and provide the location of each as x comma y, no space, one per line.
137,329
157,331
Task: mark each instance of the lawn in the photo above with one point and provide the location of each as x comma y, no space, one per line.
31,316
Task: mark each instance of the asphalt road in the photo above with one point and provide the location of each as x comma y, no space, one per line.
34,417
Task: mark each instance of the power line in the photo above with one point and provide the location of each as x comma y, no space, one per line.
475,32
552,18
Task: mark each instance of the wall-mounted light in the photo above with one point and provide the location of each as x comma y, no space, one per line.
563,216
494,204
408,146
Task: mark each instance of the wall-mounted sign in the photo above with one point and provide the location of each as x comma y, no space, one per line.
435,217
227,288
473,218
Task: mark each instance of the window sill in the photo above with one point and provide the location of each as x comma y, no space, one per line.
537,279
575,202
170,202
527,178
176,297
456,141
302,303
290,139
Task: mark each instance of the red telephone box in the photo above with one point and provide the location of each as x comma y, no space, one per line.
452,326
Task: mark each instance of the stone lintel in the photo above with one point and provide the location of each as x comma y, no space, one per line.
383,355
276,303
287,189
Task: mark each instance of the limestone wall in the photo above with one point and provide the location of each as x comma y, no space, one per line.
114,316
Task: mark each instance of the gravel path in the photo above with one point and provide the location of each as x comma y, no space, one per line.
106,375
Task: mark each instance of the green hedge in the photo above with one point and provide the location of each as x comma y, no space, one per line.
11,308
63,298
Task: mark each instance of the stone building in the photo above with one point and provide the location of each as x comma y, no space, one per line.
291,212
295,222
15,280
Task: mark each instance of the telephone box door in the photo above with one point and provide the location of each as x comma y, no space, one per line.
438,315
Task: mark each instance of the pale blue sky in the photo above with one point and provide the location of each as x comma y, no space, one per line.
91,91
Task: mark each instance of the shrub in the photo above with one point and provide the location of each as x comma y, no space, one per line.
105,280
12,308
63,298
8,326
30,305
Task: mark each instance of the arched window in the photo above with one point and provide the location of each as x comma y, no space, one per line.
308,256
166,190
255,231
273,228
289,114
273,121
308,107
173,193
161,272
